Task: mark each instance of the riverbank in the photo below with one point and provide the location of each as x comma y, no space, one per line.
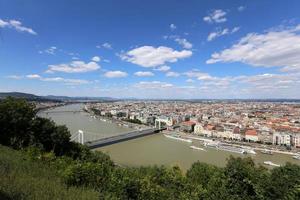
254,146
116,121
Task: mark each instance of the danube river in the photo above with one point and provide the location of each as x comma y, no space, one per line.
149,150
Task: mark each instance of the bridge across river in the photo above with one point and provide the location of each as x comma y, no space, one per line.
120,138
62,111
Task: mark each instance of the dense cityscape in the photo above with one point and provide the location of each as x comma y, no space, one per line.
262,122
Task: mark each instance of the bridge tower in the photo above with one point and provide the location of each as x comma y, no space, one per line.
158,124
80,137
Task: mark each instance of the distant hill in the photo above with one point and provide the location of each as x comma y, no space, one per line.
33,97
19,95
66,98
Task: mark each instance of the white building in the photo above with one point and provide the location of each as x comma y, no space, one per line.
163,121
251,135
296,140
199,129
282,138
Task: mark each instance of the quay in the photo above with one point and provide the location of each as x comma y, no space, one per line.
121,138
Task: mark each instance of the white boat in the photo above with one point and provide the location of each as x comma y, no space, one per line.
297,157
266,151
197,148
232,149
178,138
250,151
211,144
271,164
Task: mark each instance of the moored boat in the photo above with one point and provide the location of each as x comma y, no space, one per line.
197,148
211,144
232,149
178,138
297,157
266,151
271,164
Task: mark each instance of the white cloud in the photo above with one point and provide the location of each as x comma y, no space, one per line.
33,76
149,56
241,8
17,25
216,16
66,81
190,80
50,50
57,79
219,33
143,73
235,29
273,48
184,43
173,27
172,74
115,74
181,41
96,59
16,77
74,67
163,68
194,73
105,45
153,85
207,78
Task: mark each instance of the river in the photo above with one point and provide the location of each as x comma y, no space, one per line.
149,150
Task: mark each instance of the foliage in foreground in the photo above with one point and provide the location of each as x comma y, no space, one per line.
23,178
56,163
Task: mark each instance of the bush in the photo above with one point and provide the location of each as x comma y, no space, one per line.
22,178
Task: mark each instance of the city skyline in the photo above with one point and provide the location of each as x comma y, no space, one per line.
169,49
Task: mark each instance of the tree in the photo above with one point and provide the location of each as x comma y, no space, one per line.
201,173
16,118
242,178
283,180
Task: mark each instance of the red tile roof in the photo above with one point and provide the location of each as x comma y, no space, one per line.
251,132
189,123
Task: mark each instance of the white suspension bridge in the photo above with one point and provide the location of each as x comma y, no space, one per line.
94,140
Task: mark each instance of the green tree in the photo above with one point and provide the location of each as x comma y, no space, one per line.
242,179
16,118
201,173
283,180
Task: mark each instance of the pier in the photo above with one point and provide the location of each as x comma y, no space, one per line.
120,138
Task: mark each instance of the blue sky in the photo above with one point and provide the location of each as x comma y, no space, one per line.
151,49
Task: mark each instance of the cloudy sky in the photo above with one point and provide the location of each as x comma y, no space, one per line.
151,49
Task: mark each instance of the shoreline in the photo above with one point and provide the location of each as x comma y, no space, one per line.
257,148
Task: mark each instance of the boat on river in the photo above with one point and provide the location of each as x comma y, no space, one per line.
250,151
297,157
211,144
271,164
175,137
232,149
267,151
197,148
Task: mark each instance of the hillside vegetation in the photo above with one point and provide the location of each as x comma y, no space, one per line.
47,165
24,178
